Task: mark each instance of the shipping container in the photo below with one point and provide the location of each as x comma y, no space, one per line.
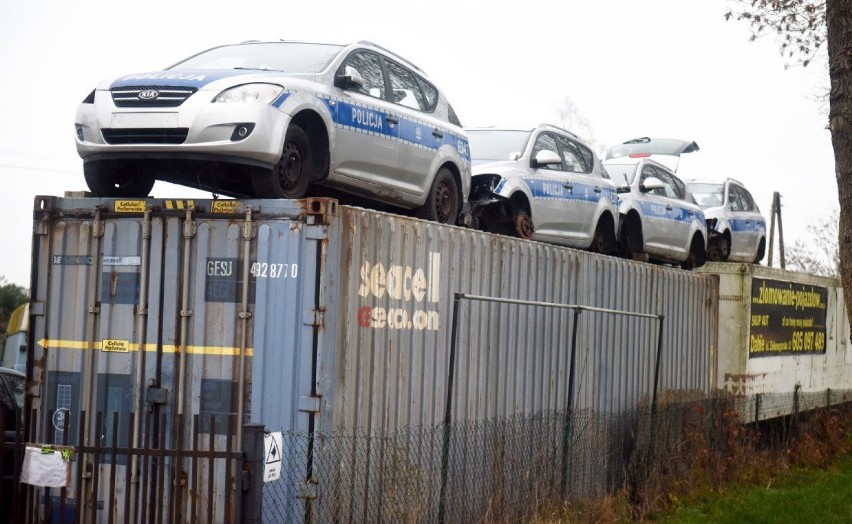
160,328
783,338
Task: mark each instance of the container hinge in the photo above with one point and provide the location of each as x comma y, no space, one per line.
315,317
94,310
316,233
97,226
190,227
42,227
309,404
245,314
156,395
186,312
37,308
307,490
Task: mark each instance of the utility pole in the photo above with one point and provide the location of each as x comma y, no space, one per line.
776,210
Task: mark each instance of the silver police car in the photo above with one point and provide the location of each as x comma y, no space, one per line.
544,184
659,218
276,120
736,227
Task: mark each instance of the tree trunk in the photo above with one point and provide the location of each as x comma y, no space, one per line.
838,15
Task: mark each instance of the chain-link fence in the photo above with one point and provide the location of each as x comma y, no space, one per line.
512,469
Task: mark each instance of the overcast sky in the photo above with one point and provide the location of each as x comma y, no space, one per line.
658,68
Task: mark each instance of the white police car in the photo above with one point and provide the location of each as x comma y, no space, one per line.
544,184
270,119
736,227
659,218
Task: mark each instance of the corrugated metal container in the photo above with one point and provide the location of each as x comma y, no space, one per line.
332,319
780,331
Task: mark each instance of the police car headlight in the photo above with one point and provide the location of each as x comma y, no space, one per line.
262,93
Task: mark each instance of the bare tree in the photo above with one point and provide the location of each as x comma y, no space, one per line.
819,255
571,118
803,26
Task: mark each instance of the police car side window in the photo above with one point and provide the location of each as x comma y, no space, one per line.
546,142
577,158
735,199
370,67
454,119
745,199
406,90
430,92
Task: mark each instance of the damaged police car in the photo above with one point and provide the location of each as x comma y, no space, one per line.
736,227
542,184
277,120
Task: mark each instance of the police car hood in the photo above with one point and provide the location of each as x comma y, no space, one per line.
197,78
491,167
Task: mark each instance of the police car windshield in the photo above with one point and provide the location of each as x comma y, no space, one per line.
708,195
496,144
289,57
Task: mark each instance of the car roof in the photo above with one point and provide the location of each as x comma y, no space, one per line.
719,181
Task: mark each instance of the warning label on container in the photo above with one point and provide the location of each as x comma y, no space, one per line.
129,206
786,318
226,206
115,346
272,444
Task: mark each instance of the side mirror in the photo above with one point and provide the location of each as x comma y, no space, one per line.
651,184
350,78
545,157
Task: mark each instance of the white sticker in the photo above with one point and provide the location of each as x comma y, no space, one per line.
272,445
122,261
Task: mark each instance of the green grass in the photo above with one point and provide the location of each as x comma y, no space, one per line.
812,495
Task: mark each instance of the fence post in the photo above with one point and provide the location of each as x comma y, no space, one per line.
757,398
569,408
659,359
448,410
252,474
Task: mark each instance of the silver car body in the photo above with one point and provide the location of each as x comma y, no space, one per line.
658,215
737,229
568,197
371,142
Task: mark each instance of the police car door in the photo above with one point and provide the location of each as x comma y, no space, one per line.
747,224
657,223
586,189
419,132
551,190
682,211
367,131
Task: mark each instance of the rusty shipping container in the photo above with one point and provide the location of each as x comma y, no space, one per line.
782,333
160,327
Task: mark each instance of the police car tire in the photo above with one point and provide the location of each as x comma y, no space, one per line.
523,224
290,177
442,203
125,181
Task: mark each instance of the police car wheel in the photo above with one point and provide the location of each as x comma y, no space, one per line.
524,227
717,251
603,241
292,174
117,181
696,257
442,203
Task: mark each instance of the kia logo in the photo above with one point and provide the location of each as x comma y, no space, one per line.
148,94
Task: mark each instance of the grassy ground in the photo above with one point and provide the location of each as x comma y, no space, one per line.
807,495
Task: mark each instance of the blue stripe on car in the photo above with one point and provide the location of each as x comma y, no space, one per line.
556,189
747,225
374,121
178,78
